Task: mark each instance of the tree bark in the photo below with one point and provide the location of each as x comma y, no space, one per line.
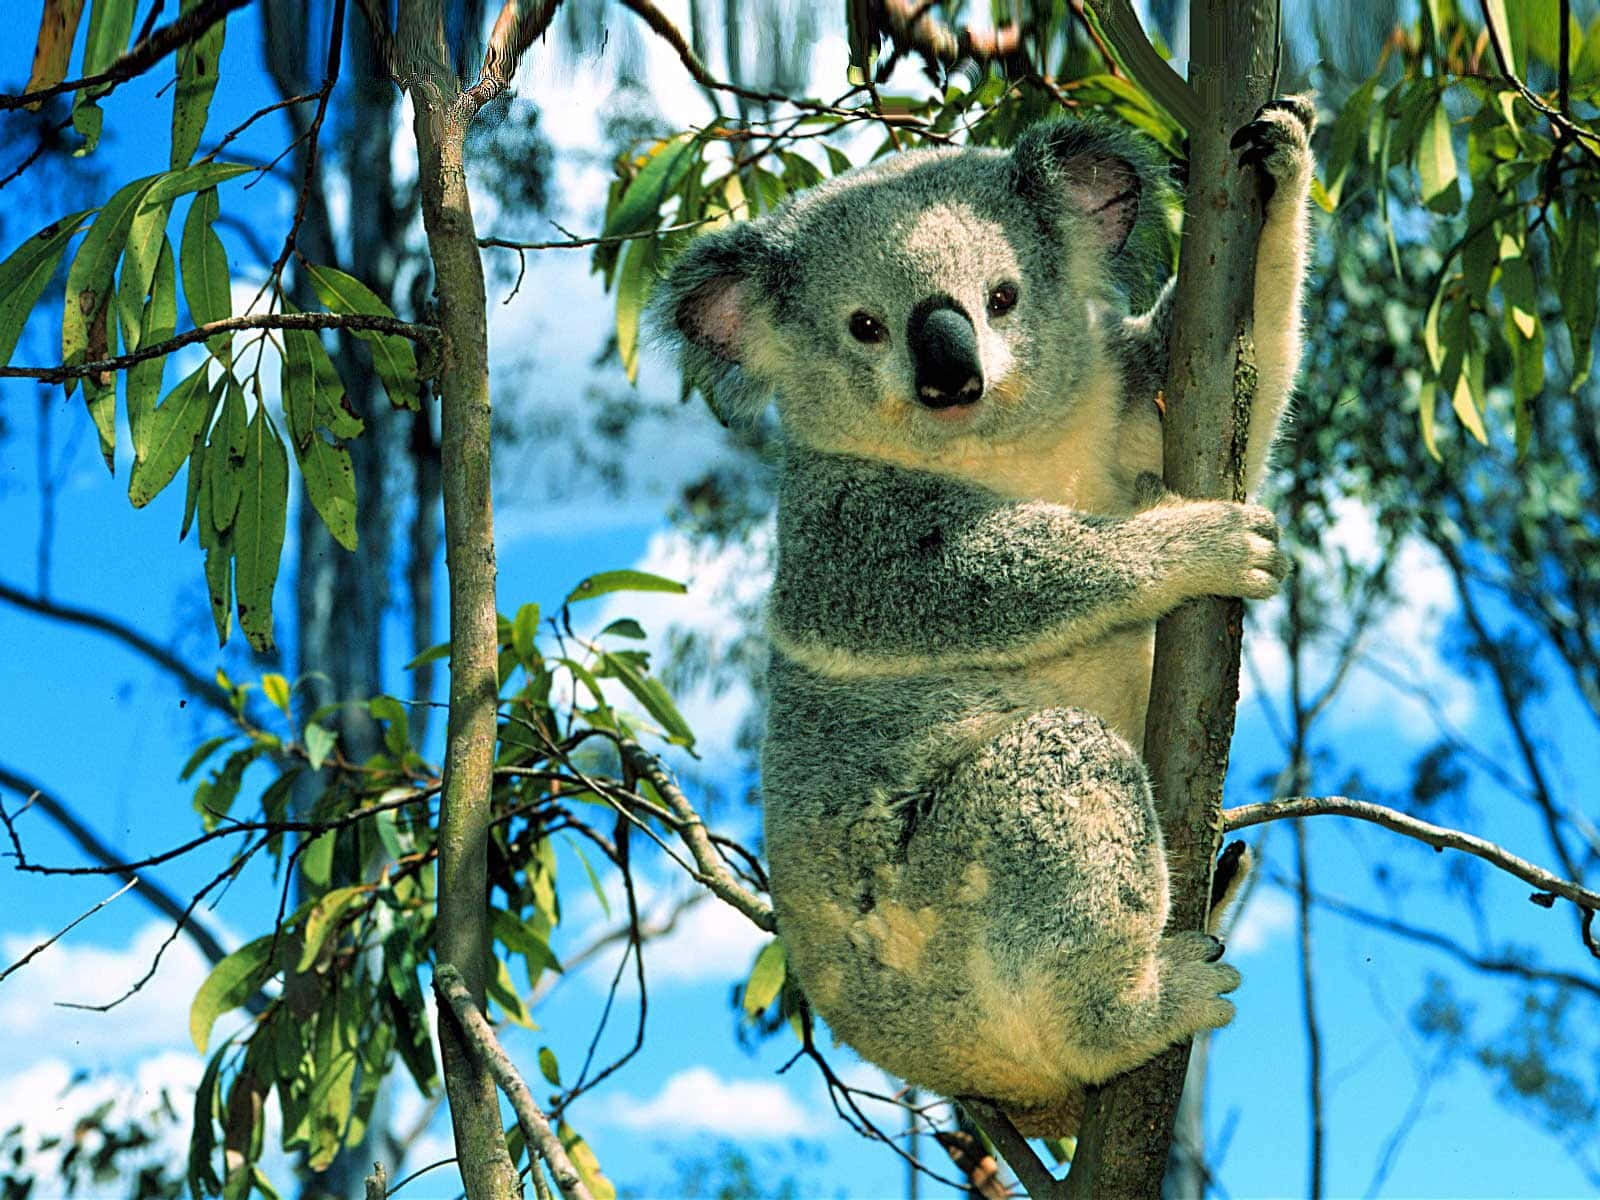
462,935
1123,1147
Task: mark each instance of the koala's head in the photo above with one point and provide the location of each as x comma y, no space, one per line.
932,296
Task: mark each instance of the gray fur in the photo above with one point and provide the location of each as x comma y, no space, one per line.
966,864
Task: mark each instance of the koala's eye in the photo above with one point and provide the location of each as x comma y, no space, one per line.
865,327
1002,300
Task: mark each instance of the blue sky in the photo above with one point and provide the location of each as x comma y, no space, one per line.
98,727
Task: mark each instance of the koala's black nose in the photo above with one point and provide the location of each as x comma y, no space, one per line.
944,348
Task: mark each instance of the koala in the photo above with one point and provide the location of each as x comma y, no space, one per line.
966,864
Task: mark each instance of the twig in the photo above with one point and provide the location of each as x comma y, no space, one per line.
1439,941
143,55
425,334
519,23
1031,1172
1564,126
153,893
1437,836
713,872
330,76
452,989
286,102
48,942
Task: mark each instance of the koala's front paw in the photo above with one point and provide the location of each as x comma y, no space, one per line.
1193,983
1233,549
1278,142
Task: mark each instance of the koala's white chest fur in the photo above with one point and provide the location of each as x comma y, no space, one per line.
1087,464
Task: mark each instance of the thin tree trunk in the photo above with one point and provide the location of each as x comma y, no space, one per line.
462,935
1123,1148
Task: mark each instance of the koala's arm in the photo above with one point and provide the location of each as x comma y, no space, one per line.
885,570
1278,144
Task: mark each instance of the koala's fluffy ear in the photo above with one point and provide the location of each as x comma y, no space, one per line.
1109,178
707,307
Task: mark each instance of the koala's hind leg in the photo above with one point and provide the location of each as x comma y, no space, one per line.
1057,811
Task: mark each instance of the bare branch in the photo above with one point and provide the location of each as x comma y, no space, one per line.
712,872
153,893
453,990
197,685
140,57
425,334
66,929
1437,836
519,23
1031,1172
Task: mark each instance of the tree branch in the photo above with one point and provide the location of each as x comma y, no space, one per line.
1149,70
425,334
140,57
66,929
1029,1168
712,872
457,996
1437,836
152,893
519,23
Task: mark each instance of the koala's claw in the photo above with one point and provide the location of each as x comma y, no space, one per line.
1218,948
1278,141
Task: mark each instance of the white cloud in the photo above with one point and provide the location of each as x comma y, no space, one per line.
156,1016
710,942
697,1100
1267,914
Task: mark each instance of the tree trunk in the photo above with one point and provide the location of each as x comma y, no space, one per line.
462,934
1123,1148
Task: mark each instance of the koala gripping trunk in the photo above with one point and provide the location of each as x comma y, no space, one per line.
1123,1148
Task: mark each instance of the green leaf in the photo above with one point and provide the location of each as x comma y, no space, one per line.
26,271
393,356
633,290
588,1167
1586,68
651,693
316,860
158,321
668,162
147,233
193,178
397,723
519,937
203,1179
204,751
197,80
328,1108
548,1067
622,581
110,27
313,394
331,484
319,744
225,455
1494,12
624,627
1577,270
1436,163
324,919
170,434
204,265
89,278
1517,287
218,547
524,629
229,985
503,992
766,978
193,486
258,532
431,654
276,689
